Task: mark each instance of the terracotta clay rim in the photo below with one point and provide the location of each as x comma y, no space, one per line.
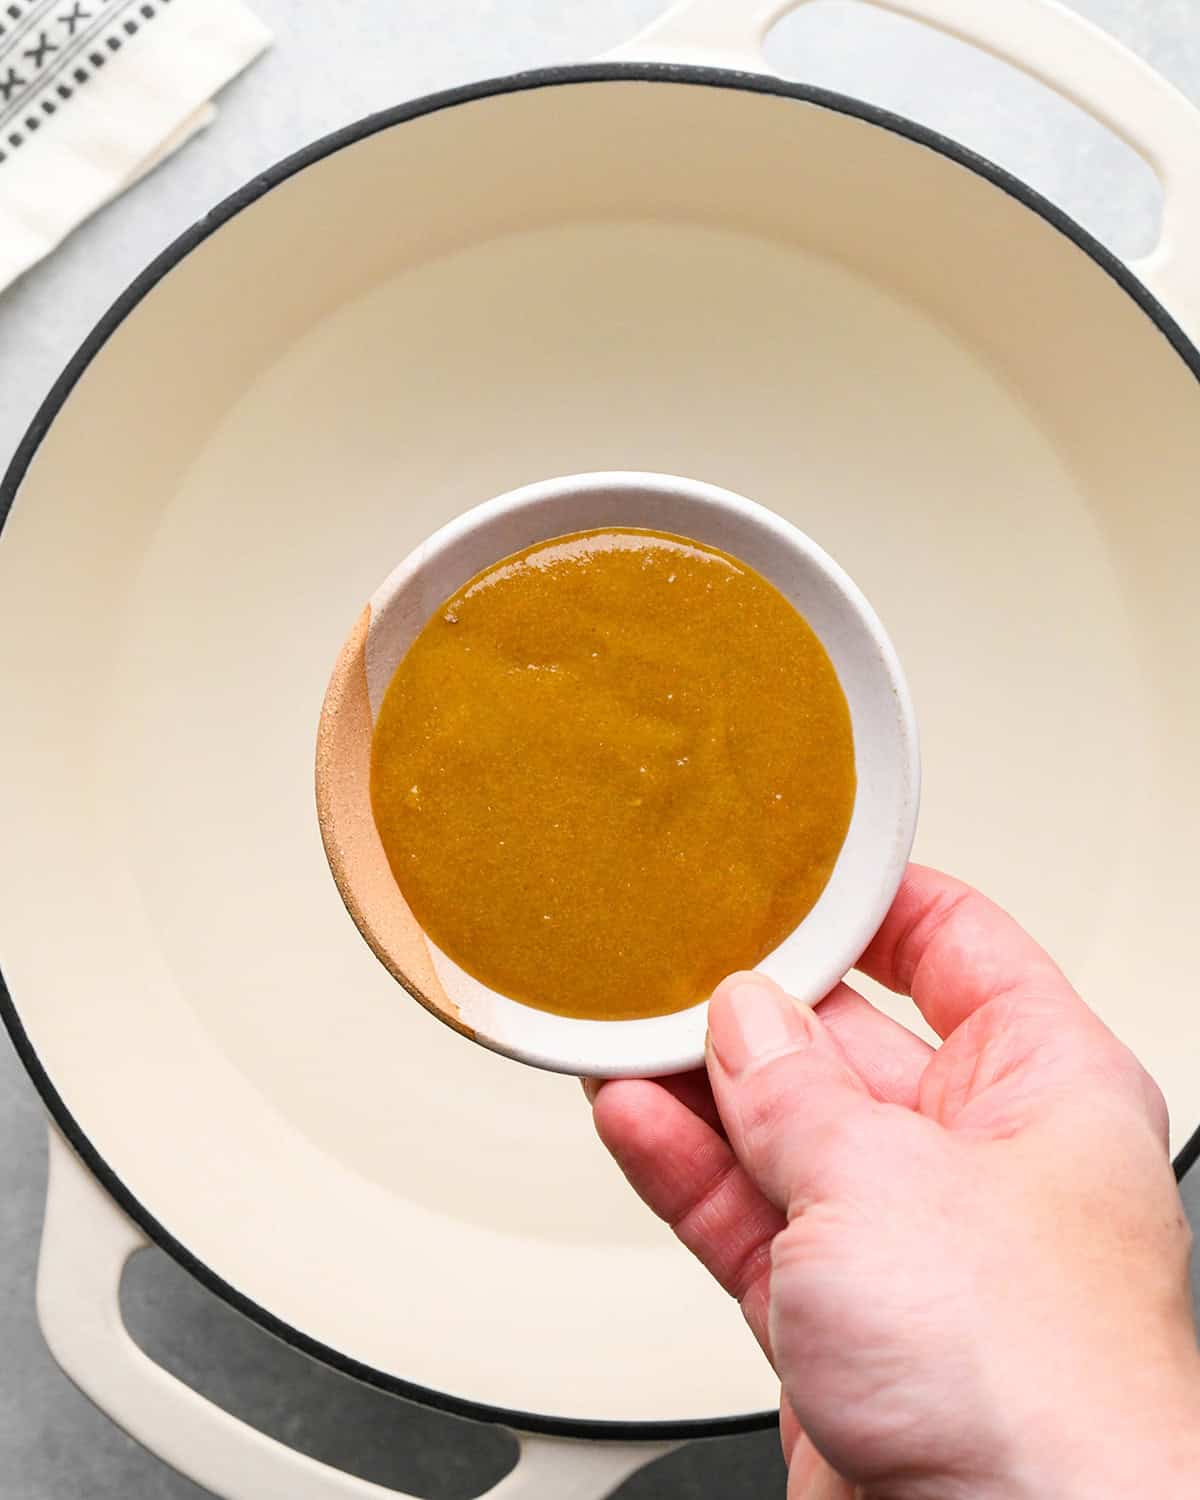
352,844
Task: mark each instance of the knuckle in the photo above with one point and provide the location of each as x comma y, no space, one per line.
838,1138
917,939
768,1099
1128,1077
748,1269
1156,1105
852,1132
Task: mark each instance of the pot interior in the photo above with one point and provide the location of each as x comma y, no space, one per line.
937,384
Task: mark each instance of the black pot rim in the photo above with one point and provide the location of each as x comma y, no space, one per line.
604,72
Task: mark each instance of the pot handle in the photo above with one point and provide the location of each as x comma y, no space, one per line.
86,1242
1044,39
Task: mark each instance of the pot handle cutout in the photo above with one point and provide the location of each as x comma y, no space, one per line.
86,1243
1044,39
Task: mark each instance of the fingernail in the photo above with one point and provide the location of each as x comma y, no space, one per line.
750,1020
591,1087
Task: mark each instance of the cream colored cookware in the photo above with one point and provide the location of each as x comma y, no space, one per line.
668,266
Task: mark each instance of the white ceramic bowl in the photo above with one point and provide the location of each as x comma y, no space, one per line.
815,955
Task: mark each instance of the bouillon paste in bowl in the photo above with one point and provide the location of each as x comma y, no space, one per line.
611,769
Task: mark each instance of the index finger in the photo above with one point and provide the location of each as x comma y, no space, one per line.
685,1171
953,950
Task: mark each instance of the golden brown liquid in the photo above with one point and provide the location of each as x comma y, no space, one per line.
610,770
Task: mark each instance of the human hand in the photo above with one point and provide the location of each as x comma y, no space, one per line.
968,1265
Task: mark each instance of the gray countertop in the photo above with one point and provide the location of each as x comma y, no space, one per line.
331,63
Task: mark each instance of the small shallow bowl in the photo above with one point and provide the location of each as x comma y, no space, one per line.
814,956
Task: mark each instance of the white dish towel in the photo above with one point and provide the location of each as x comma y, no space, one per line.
93,93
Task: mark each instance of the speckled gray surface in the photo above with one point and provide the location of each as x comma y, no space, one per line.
333,62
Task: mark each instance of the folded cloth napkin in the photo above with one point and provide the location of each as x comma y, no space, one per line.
93,93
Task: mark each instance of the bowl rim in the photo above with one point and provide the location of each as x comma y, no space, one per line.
877,843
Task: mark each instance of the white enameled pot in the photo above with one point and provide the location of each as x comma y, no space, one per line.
660,263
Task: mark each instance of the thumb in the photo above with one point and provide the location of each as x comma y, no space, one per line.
800,1120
